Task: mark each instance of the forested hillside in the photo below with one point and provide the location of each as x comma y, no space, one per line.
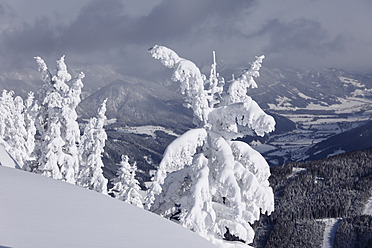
308,193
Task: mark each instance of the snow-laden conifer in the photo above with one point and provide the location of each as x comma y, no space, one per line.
58,99
90,151
13,129
30,113
52,157
211,184
126,186
70,128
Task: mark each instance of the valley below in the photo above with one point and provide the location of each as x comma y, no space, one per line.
314,124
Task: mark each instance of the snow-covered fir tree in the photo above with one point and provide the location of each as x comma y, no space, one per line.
70,131
58,99
30,113
15,134
208,181
52,158
90,151
126,186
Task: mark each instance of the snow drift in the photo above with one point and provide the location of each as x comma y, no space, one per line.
36,211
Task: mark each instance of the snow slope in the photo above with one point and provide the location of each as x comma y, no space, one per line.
6,159
36,211
329,232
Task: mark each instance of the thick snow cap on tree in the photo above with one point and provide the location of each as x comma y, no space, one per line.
191,79
209,183
238,88
181,151
43,69
178,154
226,120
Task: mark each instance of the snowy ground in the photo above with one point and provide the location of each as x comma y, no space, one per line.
147,130
296,171
36,211
368,207
329,232
6,159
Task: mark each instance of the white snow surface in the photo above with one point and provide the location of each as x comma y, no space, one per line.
368,207
351,81
7,160
339,151
148,130
329,232
296,171
37,211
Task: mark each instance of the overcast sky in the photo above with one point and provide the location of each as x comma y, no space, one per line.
293,33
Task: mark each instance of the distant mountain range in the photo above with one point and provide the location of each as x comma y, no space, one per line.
309,107
288,88
138,105
322,103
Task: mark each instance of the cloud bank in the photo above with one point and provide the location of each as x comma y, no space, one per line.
293,33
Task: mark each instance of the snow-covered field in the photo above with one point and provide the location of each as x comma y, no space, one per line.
147,130
36,211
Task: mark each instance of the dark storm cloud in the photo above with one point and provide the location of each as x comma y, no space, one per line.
179,18
300,32
300,42
38,37
6,16
5,12
101,25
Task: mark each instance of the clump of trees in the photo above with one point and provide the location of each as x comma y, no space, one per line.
42,133
354,232
329,188
56,152
300,233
